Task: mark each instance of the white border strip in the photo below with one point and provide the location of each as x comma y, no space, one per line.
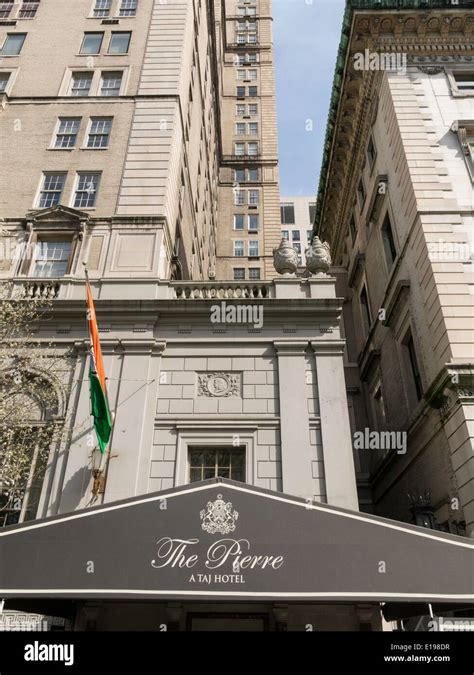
222,486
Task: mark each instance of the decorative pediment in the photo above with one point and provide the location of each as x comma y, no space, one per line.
58,218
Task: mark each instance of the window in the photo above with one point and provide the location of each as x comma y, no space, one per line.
465,133
253,197
239,197
253,91
240,109
239,149
239,175
217,462
413,361
241,74
86,190
371,152
128,8
361,193
91,43
254,273
253,109
102,8
81,84
240,92
239,249
4,78
238,221
365,311
253,175
312,212
119,43
253,222
239,273
287,214
99,132
111,83
66,134
6,7
13,44
252,149
28,9
253,129
240,128
295,235
309,235
353,229
251,74
464,82
52,258
51,189
388,242
253,248
285,234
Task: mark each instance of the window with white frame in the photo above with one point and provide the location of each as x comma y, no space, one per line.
6,7
99,132
4,79
254,197
239,149
253,129
239,197
239,175
252,175
253,222
253,109
223,462
13,44
91,43
28,9
111,83
239,273
254,273
66,134
52,185
462,82
86,190
241,74
119,42
252,74
81,84
240,128
240,92
51,258
239,249
239,219
287,213
102,9
252,149
253,248
253,91
240,109
128,7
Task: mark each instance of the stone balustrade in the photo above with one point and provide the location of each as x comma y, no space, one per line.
221,291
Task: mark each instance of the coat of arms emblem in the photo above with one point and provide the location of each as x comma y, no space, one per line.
219,517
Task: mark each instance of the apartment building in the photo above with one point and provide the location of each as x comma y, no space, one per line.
396,203
297,218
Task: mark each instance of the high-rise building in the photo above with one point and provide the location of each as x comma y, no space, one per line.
297,218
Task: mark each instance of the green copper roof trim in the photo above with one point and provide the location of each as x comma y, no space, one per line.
352,5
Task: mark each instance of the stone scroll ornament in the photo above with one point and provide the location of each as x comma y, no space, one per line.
285,258
318,257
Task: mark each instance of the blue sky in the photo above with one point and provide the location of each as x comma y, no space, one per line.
306,37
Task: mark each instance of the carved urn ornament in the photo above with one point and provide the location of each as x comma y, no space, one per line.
285,258
318,257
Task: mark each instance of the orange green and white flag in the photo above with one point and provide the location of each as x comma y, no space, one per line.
98,391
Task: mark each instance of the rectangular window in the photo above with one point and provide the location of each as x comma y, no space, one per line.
240,92
86,190
285,234
240,128
252,74
254,273
464,81
312,212
240,109
252,149
254,196
251,38
91,43
239,273
99,132
388,242
102,8
239,249
371,152
119,43
81,84
4,78
253,91
415,371
239,176
252,58
253,222
239,149
66,135
239,221
6,7
353,229
253,248
51,189
241,74
253,128
52,258
253,175
309,235
128,8
253,109
28,9
241,38
111,83
216,462
287,214
361,193
239,197
365,311
13,44
295,235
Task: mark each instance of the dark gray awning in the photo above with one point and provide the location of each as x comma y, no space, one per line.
224,540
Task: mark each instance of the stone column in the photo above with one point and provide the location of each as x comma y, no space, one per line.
341,488
294,420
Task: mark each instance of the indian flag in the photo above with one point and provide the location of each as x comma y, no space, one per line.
98,391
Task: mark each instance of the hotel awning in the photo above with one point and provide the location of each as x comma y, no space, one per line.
221,540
